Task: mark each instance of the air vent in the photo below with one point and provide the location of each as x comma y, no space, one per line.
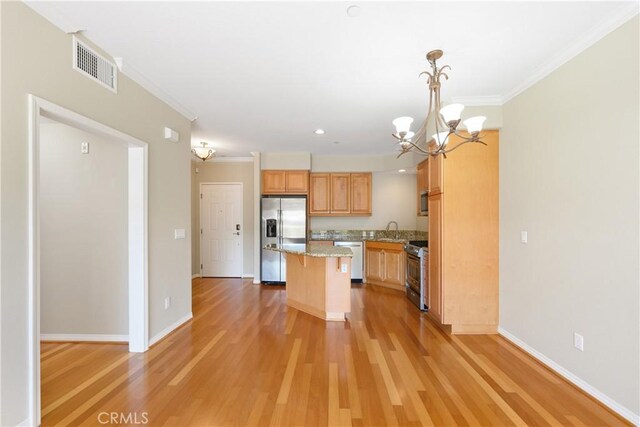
96,67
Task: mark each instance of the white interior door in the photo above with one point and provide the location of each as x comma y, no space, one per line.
221,230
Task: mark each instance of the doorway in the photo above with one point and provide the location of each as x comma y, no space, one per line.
137,220
221,231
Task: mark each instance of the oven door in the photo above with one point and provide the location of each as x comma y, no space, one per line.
413,273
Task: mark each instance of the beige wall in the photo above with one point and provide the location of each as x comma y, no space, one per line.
286,160
223,172
569,176
27,42
83,233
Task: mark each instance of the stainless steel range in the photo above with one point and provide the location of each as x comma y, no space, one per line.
417,273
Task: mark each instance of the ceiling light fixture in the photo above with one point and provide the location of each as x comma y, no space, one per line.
204,153
319,132
441,122
402,170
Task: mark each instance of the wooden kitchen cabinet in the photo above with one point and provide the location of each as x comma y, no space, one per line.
319,193
361,193
435,175
422,180
297,182
385,264
340,194
463,237
285,181
273,182
435,256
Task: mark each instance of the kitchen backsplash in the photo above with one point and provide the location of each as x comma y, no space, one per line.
368,234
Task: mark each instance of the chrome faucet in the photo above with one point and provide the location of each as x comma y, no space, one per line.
389,226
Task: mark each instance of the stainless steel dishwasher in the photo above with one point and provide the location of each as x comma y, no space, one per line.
356,261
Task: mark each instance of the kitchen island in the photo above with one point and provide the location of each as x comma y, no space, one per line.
318,280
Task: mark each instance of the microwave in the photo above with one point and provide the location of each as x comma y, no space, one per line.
424,203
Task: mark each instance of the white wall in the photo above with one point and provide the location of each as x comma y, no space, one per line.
394,199
569,176
224,172
29,41
83,233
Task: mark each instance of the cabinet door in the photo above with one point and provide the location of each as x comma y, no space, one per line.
340,193
319,194
394,268
422,171
435,255
374,266
435,180
273,182
297,182
361,193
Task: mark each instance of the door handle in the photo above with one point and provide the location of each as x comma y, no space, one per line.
237,233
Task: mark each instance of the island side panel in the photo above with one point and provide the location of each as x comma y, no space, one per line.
338,288
305,287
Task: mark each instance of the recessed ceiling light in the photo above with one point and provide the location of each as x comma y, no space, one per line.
353,11
336,142
319,131
402,170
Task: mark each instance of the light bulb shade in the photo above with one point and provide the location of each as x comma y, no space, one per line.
451,112
402,124
474,124
440,138
409,135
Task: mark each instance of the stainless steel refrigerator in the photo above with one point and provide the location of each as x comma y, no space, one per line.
284,223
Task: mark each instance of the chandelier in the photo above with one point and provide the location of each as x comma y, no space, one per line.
441,122
204,153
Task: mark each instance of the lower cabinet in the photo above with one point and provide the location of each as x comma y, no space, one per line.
385,264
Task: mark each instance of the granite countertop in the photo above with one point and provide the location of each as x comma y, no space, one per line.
401,236
320,251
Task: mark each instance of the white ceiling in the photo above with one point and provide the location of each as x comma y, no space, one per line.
261,76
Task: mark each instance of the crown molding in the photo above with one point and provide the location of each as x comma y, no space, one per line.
621,15
155,90
478,101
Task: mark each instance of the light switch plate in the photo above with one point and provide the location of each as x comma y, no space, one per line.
344,268
179,233
524,237
84,148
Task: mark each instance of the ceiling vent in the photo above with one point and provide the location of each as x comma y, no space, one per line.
95,66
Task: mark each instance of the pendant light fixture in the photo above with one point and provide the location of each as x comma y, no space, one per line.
204,153
433,136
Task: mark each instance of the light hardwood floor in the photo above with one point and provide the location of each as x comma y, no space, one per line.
246,359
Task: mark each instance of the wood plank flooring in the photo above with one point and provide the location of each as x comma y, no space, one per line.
248,360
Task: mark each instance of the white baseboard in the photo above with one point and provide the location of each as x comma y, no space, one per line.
572,378
25,423
166,331
247,276
84,337
195,276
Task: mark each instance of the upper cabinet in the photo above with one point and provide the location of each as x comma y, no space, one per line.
285,182
340,194
435,180
319,193
422,177
361,193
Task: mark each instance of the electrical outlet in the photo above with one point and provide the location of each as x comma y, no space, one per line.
524,237
344,268
578,341
84,148
167,303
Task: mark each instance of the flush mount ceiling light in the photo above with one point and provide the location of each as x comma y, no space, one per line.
204,153
402,170
319,132
441,122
